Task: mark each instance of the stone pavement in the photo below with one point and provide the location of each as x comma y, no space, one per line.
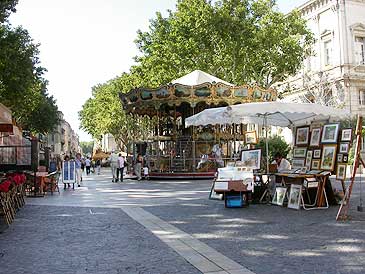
171,227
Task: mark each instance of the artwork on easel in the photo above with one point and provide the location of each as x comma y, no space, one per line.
279,196
295,196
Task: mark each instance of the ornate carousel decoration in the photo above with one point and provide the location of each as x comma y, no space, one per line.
175,150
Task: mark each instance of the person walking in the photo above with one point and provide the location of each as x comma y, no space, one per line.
114,165
138,166
78,162
87,165
98,165
66,160
120,168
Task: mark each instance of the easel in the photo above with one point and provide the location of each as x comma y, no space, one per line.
345,203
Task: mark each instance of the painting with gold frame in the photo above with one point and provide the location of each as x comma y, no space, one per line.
251,137
328,157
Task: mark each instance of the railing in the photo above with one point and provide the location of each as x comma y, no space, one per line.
183,156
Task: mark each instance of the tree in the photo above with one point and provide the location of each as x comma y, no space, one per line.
22,87
103,113
6,7
87,147
240,41
318,88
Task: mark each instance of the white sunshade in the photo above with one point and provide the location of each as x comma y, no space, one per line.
276,114
198,77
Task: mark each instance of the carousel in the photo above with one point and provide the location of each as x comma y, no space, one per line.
174,151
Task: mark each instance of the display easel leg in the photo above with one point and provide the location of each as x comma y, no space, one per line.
345,203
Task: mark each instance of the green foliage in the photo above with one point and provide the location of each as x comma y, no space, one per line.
6,7
22,87
276,145
87,147
103,113
239,41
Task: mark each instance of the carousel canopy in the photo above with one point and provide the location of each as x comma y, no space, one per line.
196,89
198,77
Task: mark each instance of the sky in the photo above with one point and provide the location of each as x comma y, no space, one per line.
87,42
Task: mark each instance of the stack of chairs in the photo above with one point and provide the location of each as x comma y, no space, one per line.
12,192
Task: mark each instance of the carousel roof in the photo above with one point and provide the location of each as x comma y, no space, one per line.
198,77
193,88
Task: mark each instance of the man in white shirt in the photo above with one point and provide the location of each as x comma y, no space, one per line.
88,165
120,168
282,165
114,164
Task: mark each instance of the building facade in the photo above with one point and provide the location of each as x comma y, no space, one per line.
334,74
63,140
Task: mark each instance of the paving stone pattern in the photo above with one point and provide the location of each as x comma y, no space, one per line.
52,240
86,231
271,239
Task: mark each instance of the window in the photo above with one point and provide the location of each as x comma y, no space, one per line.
327,45
360,50
362,97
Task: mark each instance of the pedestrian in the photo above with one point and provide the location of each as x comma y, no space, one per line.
66,159
120,169
114,165
98,165
138,166
87,165
78,169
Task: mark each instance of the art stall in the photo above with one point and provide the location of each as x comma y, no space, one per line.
321,148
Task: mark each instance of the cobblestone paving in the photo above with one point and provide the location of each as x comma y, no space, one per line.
71,240
85,231
271,239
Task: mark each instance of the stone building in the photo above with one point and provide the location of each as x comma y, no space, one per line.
335,72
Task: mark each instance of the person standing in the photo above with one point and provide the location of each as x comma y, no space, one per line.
87,165
98,165
78,162
120,168
114,165
138,166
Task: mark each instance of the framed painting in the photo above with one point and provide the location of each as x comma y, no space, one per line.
302,136
308,159
345,158
341,172
315,164
328,157
317,153
315,137
279,196
295,196
251,158
346,135
339,158
344,147
330,133
251,137
298,163
299,152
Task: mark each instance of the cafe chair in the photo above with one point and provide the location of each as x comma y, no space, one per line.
51,182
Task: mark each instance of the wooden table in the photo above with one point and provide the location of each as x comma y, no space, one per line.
321,196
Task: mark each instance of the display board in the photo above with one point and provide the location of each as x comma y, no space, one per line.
68,172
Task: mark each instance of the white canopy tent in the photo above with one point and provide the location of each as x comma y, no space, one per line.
268,114
198,77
